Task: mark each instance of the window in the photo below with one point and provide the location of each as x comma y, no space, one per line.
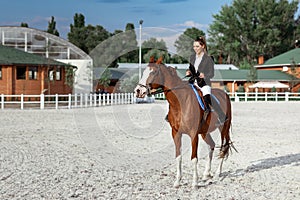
21,73
32,73
0,72
51,75
54,74
58,74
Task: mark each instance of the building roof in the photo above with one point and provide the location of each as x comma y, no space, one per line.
12,56
178,66
244,75
286,59
40,43
220,75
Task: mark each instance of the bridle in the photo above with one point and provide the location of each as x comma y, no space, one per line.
160,90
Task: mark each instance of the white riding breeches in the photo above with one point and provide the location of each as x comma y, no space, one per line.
206,89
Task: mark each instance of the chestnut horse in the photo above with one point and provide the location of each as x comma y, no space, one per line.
186,116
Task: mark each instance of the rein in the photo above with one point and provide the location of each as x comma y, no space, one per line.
158,91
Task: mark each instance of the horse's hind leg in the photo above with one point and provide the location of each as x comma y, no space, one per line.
211,145
224,147
195,159
177,141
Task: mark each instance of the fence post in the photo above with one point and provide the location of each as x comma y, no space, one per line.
104,99
95,99
86,100
266,96
22,101
2,101
99,96
236,97
42,101
56,101
70,101
75,100
286,96
81,99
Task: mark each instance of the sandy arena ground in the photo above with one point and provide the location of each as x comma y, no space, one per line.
126,152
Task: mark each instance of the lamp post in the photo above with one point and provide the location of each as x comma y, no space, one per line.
140,51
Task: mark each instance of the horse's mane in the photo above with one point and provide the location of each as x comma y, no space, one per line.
171,70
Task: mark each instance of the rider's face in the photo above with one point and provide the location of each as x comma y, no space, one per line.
198,48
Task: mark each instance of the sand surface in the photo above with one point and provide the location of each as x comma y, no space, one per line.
126,152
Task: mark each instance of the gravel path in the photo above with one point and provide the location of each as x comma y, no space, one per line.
126,152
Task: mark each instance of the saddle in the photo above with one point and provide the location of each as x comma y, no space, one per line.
200,99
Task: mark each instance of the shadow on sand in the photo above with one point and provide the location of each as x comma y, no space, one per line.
290,159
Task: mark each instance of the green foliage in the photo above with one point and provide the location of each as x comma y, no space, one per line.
129,41
69,76
105,77
247,29
52,27
86,37
153,47
128,84
252,76
24,24
184,44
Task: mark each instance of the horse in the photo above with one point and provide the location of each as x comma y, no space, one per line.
185,116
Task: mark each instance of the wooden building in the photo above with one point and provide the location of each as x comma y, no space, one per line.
289,63
26,73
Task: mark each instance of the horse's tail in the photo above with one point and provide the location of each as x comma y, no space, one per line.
226,143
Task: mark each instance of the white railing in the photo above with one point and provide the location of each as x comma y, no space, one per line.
70,101
256,96
64,101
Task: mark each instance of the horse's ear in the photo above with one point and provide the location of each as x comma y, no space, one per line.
159,61
152,60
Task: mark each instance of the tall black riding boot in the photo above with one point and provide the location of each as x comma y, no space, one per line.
207,102
222,117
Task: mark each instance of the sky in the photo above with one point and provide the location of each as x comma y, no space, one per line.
165,19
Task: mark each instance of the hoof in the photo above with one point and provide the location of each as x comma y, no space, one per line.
176,184
207,177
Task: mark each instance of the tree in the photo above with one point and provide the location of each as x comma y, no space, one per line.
153,47
247,29
104,79
52,27
129,42
94,36
86,37
128,84
77,34
23,24
184,43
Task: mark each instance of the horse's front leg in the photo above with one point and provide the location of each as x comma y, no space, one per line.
177,141
195,160
211,145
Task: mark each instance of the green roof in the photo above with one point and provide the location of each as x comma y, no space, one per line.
12,56
285,59
220,75
243,75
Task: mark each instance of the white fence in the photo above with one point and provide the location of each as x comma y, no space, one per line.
93,100
256,96
64,101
